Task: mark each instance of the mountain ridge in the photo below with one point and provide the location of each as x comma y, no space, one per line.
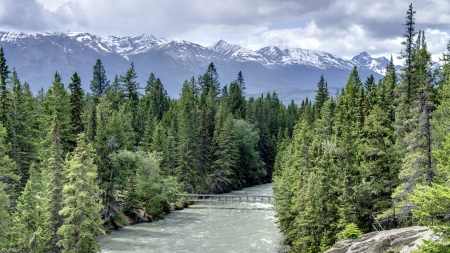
174,61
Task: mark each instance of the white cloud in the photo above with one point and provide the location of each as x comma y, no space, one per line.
341,27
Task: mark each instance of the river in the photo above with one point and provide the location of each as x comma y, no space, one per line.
204,227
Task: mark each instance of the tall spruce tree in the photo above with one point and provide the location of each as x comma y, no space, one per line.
240,81
9,180
417,164
407,53
187,144
5,222
99,82
347,125
158,100
76,98
115,94
130,86
222,172
441,119
24,136
236,101
57,108
52,167
210,81
29,216
80,202
5,94
322,94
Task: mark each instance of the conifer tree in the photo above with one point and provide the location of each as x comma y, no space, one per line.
4,75
204,149
76,106
290,184
5,95
150,125
440,122
170,155
29,215
291,117
434,200
210,81
407,54
417,164
378,156
130,86
348,125
5,223
322,94
250,168
236,101
24,125
187,145
57,108
240,81
325,123
225,155
157,95
371,93
115,94
91,125
9,180
386,90
80,196
52,167
99,82
114,132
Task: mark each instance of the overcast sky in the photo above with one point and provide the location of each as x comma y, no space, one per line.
342,27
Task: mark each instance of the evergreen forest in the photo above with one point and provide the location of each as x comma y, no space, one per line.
373,151
76,163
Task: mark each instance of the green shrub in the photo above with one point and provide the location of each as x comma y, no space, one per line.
119,220
430,246
131,206
157,207
351,231
393,250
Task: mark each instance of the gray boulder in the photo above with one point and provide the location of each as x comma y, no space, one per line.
405,239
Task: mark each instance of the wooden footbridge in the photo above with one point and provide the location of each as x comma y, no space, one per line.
226,198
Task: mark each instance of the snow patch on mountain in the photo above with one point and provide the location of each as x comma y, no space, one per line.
132,45
274,56
12,36
313,58
378,65
224,48
91,41
185,51
227,51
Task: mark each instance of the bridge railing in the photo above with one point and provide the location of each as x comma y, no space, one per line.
226,198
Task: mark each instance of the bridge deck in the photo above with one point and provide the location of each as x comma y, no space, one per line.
227,198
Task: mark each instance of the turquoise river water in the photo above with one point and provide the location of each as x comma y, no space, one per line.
204,227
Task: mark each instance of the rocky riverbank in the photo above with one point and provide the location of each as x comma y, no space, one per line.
402,240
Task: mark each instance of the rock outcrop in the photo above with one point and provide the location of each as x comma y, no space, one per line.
405,239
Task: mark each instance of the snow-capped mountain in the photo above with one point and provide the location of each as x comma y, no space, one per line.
91,41
226,51
37,56
132,45
378,65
